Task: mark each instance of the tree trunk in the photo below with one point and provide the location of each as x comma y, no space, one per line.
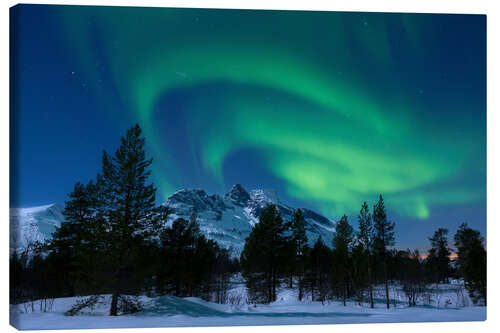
370,282
345,294
300,288
386,281
371,296
387,292
274,287
113,311
269,285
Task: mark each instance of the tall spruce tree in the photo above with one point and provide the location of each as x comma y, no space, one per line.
365,239
263,255
128,209
109,223
384,238
342,257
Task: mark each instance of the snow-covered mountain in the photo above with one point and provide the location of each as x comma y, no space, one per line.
28,225
227,219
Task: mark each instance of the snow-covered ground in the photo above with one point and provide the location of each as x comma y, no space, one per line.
169,311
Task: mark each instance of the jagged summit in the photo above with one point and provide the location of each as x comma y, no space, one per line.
238,195
228,219
265,196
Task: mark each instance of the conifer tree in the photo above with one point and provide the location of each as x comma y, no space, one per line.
77,241
472,261
299,242
342,257
365,239
411,275
109,223
465,238
318,271
359,273
177,254
438,258
384,238
263,255
129,208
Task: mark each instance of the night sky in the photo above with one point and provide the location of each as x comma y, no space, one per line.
328,108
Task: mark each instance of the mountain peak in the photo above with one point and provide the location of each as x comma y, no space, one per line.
33,224
237,194
36,210
226,219
265,196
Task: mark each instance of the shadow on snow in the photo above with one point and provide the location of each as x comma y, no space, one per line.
171,306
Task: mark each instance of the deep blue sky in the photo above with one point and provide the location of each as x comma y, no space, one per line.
329,109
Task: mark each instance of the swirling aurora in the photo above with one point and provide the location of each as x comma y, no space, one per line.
335,107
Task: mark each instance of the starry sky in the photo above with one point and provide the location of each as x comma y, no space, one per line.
329,108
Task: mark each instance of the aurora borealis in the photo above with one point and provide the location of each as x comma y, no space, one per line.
329,108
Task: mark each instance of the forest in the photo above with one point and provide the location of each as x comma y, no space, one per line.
116,240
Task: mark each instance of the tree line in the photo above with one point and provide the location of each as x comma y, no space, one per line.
115,240
277,255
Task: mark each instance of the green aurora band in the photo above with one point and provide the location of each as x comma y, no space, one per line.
324,129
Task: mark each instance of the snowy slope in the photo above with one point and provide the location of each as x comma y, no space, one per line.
229,219
28,225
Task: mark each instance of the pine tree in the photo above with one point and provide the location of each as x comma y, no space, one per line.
359,273
438,258
299,242
109,223
465,238
128,208
474,272
411,275
76,241
263,255
175,275
365,238
190,264
384,238
318,270
342,257
472,261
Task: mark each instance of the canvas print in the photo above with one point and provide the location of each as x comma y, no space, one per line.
207,167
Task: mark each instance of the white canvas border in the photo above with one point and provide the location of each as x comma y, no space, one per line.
491,8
